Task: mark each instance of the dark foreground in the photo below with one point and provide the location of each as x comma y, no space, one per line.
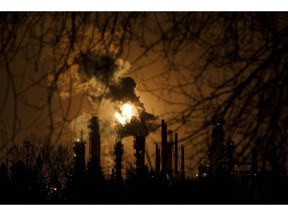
156,190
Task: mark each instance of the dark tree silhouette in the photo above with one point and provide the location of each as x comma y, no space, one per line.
232,65
229,64
38,175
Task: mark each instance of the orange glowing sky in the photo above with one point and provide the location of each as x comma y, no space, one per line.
72,104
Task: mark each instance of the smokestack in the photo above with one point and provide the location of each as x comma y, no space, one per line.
157,165
176,154
94,139
164,146
79,150
169,152
118,152
182,162
216,149
139,147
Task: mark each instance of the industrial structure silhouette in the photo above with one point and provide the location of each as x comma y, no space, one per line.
166,163
220,159
221,178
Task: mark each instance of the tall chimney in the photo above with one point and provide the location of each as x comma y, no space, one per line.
164,146
182,162
139,147
176,154
169,152
157,165
79,155
118,152
94,139
216,149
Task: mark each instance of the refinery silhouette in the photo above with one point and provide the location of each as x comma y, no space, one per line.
221,178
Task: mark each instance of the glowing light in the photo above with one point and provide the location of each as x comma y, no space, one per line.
126,114
120,118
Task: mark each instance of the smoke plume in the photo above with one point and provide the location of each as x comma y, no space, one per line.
102,79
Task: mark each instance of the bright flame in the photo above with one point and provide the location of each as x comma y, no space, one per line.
126,114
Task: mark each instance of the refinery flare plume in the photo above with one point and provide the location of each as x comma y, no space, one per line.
101,79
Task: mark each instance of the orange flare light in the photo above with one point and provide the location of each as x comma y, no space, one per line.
126,114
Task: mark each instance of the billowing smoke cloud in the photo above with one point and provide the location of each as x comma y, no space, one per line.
101,78
103,67
124,90
138,126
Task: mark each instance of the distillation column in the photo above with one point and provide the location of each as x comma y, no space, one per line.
94,139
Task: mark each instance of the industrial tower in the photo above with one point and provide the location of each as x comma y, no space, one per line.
79,155
94,138
166,149
139,153
216,149
169,161
118,152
